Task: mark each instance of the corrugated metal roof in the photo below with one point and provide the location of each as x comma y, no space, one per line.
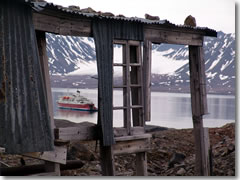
24,118
40,6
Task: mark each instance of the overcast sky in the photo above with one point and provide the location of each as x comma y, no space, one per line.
215,14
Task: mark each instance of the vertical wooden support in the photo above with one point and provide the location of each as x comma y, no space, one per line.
199,108
147,67
107,161
127,121
141,164
137,114
41,40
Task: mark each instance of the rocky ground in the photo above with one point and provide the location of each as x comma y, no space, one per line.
171,154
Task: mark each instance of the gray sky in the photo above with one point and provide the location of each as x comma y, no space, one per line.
215,14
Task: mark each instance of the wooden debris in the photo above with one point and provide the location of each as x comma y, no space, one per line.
190,21
149,17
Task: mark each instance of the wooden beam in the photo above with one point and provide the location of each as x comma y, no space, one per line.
158,35
107,160
147,69
132,146
199,108
197,81
38,169
59,155
41,42
62,25
76,133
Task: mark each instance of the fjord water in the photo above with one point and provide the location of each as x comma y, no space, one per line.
171,110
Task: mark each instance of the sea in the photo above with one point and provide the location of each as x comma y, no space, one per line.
172,110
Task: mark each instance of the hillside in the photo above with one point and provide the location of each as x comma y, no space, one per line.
72,62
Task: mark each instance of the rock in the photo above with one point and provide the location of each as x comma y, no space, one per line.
79,151
181,172
88,10
74,8
149,17
190,21
176,158
153,128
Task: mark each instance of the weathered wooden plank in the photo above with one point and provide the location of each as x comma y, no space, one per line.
172,37
63,26
120,42
131,146
107,160
147,69
123,132
59,155
76,133
133,137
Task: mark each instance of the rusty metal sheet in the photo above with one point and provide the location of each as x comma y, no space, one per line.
24,118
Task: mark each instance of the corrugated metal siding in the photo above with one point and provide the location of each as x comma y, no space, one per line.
24,118
41,6
104,31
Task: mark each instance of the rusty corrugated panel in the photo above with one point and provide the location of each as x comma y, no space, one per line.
24,118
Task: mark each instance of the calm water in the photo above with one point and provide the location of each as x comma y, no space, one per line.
168,109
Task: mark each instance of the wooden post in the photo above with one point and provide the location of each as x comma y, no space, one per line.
147,68
41,41
107,161
199,108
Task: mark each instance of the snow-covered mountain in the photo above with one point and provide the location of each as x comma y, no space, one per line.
75,56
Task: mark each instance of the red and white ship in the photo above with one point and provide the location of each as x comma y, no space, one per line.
76,102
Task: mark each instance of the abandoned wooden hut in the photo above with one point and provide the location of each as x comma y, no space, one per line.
26,114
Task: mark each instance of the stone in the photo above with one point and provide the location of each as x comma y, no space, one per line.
181,172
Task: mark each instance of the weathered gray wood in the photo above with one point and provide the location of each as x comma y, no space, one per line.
206,151
76,133
132,146
197,81
52,168
198,99
59,155
158,35
107,160
42,49
63,26
127,118
141,164
133,137
123,132
147,69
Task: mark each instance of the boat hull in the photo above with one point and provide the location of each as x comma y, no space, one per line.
78,107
